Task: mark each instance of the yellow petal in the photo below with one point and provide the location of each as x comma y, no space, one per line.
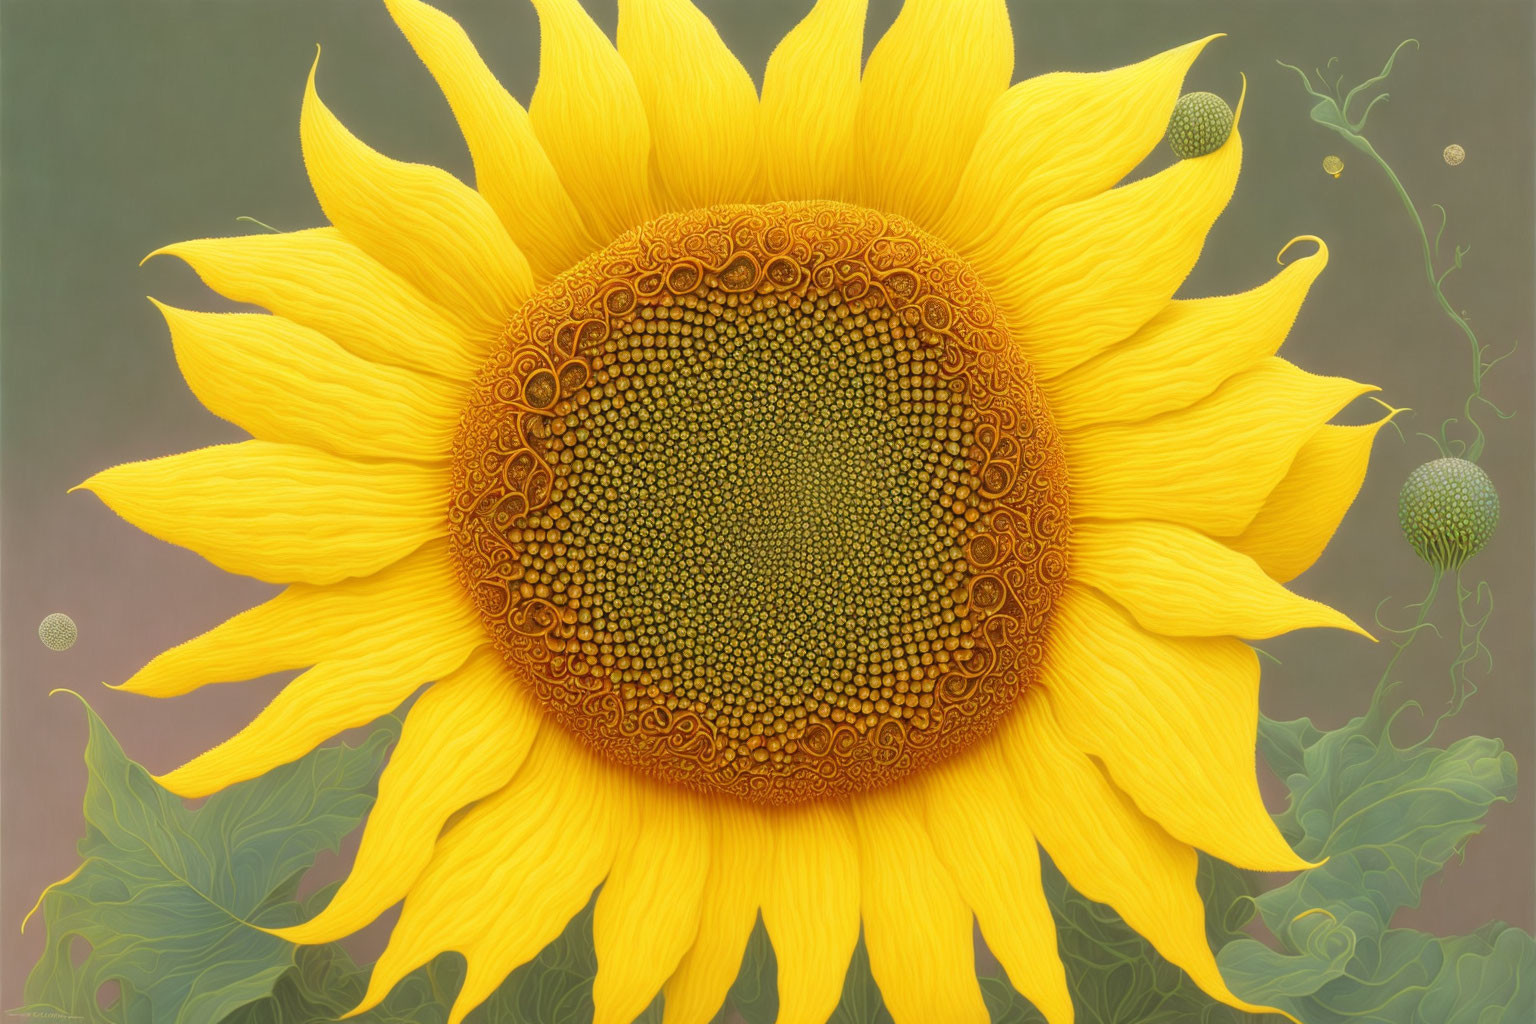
589,116
303,625
741,848
648,912
927,88
1179,582
418,221
1298,518
319,279
1109,850
479,720
335,696
280,512
916,927
283,382
507,877
979,833
512,171
1175,722
810,94
811,908
1184,352
1056,139
699,100
1211,465
1090,273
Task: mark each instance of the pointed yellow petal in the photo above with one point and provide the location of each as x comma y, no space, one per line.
741,847
648,912
978,830
810,94
1236,444
303,625
512,171
418,221
702,107
280,512
916,927
283,382
1298,518
1109,850
479,720
589,116
319,279
507,877
1174,720
927,89
811,908
1184,352
433,639
1056,139
1179,582
1090,273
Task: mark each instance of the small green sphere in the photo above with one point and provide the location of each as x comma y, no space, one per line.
1200,124
57,632
1448,509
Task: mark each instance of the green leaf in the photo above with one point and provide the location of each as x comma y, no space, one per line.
1387,818
861,1002
554,988
1227,893
169,899
754,995
1114,974
1264,975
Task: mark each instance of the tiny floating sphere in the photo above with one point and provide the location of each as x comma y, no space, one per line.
1333,165
1200,124
1448,509
57,632
1454,154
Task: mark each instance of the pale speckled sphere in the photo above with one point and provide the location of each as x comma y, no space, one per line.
1454,154
1333,165
57,632
1200,124
1448,509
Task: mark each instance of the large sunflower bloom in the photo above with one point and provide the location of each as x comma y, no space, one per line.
800,505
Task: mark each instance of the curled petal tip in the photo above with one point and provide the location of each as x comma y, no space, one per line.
158,252
1322,247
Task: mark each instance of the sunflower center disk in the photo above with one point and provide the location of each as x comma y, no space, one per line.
761,499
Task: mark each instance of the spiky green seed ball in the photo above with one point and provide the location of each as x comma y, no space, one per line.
1448,509
1200,124
57,632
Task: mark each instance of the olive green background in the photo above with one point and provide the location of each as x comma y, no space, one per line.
128,124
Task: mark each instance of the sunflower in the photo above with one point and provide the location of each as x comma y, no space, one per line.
798,505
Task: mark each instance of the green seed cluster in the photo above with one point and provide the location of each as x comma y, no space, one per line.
1200,124
57,632
759,513
1448,509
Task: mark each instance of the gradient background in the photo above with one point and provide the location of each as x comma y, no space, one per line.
128,124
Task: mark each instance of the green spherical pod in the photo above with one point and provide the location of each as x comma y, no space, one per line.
57,632
1448,509
1200,124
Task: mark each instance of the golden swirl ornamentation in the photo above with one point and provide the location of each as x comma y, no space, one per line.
618,608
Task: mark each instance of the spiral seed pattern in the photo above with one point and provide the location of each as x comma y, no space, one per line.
1201,123
760,500
1448,510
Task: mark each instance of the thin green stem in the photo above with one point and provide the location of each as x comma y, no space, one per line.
1408,635
1475,448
